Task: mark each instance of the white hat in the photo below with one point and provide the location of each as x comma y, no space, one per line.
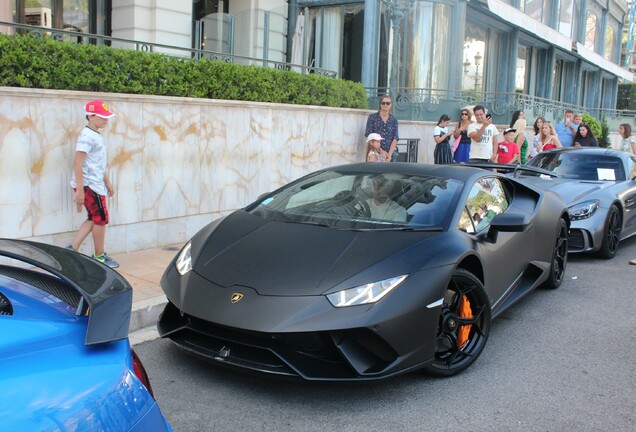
375,136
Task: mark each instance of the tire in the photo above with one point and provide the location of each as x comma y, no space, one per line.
559,257
451,356
611,233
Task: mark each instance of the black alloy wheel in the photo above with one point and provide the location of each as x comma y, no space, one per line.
611,234
559,257
455,352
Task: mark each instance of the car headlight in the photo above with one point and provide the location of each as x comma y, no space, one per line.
365,294
583,210
184,260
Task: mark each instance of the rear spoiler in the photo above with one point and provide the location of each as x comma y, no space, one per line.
107,293
517,169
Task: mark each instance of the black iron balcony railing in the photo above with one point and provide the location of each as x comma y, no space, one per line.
430,104
171,50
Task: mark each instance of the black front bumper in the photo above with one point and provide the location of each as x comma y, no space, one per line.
353,354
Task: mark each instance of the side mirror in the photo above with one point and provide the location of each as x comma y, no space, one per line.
510,222
507,222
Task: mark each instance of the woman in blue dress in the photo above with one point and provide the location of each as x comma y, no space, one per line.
462,152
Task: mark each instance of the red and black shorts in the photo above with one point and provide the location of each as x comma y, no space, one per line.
95,206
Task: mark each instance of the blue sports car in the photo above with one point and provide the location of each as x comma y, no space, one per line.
65,360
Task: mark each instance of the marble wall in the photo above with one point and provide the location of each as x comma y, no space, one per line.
176,163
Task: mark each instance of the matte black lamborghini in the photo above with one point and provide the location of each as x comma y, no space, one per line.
365,271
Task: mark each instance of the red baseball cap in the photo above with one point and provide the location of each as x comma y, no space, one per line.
99,109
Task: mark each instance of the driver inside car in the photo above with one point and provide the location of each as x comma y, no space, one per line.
381,205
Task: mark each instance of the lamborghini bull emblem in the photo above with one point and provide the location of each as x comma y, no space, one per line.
236,297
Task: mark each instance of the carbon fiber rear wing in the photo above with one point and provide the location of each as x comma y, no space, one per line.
107,294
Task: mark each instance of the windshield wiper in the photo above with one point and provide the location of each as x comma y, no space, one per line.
406,228
302,222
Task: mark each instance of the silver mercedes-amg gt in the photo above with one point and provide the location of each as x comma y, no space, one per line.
599,186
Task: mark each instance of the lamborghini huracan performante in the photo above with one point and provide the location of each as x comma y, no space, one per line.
65,360
364,271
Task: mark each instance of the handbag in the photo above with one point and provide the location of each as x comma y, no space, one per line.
456,143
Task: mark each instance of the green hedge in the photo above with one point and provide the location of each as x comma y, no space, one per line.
35,62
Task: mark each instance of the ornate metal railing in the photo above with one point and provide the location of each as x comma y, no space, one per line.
430,104
171,50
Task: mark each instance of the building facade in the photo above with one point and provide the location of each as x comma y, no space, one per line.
431,55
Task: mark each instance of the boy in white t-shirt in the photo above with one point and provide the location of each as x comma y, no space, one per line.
483,145
90,181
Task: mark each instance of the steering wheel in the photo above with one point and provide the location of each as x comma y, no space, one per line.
350,201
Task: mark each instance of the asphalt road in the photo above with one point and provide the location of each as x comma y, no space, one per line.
559,360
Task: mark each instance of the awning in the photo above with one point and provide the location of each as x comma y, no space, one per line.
603,63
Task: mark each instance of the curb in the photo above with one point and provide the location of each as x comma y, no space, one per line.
145,313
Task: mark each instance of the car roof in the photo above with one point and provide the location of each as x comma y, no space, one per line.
458,172
591,150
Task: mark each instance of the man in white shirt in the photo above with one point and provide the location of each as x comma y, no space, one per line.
483,145
381,205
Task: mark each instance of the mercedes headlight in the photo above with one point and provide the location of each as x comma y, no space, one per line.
365,294
583,210
184,260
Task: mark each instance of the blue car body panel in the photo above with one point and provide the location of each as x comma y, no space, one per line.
52,379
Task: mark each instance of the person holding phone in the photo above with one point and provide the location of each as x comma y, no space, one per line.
567,130
483,143
585,137
462,152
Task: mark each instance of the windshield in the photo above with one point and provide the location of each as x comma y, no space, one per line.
581,166
363,201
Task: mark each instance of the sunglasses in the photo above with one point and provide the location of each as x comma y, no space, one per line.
464,113
386,103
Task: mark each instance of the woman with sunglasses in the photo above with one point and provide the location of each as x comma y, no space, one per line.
462,152
385,124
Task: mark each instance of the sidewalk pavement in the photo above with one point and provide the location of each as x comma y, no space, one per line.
143,270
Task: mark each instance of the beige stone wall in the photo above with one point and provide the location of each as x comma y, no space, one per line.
176,163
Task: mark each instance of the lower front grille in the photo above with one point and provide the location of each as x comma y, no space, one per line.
342,355
231,353
576,240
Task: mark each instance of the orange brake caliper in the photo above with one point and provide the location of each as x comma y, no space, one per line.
465,311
